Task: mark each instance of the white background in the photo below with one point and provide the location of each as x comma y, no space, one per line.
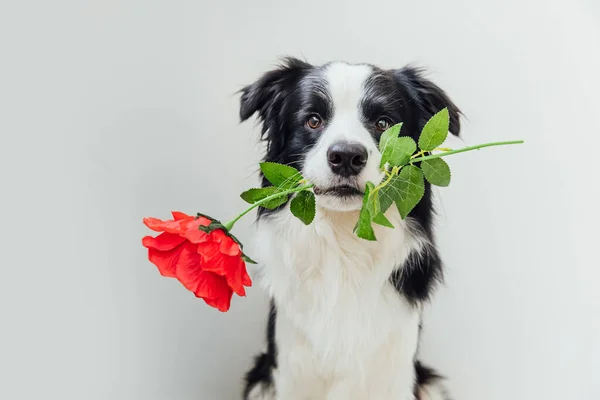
115,110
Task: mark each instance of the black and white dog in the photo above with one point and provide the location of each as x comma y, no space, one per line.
346,313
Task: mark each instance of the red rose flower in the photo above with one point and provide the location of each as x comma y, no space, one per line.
208,263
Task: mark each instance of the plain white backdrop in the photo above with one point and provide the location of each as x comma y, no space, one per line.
115,110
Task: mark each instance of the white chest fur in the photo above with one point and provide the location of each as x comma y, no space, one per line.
342,332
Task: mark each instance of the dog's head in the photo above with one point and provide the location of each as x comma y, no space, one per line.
327,120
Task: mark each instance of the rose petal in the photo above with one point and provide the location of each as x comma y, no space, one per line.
221,303
195,235
163,226
191,231
232,268
208,251
234,276
188,267
229,247
177,215
163,242
213,289
240,278
218,235
203,221
206,285
246,280
192,224
165,261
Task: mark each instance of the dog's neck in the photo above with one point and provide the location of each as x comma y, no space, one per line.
329,248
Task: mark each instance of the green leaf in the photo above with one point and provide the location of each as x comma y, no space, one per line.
410,189
253,195
436,171
435,131
276,202
380,219
405,189
386,195
303,206
389,135
374,207
363,228
396,150
372,199
247,259
280,175
399,151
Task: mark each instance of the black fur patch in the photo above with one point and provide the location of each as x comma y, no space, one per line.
425,376
419,276
262,372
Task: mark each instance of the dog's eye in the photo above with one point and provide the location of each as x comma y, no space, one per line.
383,124
314,121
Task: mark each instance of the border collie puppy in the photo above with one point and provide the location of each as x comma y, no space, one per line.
345,313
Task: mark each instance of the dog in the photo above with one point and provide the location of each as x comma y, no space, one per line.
345,315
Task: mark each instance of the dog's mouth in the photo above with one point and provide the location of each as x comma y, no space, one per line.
338,191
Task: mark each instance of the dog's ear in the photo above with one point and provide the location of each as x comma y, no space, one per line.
267,94
269,97
428,96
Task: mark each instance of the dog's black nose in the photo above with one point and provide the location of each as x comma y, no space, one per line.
347,159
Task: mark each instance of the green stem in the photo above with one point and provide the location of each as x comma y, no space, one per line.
229,225
420,153
390,175
479,146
